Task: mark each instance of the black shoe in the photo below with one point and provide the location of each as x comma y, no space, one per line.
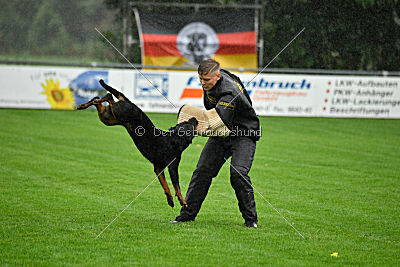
250,224
180,220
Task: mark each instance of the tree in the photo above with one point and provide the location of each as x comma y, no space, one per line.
48,32
348,34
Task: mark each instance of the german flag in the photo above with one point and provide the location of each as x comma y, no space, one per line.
187,39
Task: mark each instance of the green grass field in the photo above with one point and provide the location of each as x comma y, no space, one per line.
65,176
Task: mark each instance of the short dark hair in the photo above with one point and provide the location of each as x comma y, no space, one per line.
207,66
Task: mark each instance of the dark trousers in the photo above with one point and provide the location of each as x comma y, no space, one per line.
213,156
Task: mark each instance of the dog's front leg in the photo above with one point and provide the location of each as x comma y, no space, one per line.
93,101
163,181
106,113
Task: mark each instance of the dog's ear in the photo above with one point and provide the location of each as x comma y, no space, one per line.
101,81
183,134
193,121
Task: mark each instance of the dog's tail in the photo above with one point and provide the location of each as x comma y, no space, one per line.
114,92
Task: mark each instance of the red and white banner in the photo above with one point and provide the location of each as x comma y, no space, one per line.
167,91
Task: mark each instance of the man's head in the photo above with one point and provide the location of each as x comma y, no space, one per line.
208,73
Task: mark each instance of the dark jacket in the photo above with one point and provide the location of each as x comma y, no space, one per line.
233,105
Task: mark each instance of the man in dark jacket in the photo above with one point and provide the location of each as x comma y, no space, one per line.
225,94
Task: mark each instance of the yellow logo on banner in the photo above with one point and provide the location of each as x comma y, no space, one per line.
57,97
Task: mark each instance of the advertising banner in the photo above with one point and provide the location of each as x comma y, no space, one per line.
167,91
48,87
281,95
228,36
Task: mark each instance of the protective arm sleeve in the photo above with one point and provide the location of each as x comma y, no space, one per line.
209,122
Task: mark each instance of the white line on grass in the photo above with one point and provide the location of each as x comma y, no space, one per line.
265,199
133,200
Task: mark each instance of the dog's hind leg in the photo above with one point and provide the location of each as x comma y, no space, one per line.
163,181
173,172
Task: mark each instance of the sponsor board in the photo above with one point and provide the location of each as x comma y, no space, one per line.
86,85
362,97
314,95
167,91
151,85
49,87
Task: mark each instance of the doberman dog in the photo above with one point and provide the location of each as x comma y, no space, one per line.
163,149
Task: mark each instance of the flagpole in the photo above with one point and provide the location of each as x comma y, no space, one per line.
139,26
261,41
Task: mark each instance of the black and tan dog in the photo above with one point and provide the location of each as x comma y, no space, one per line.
162,149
